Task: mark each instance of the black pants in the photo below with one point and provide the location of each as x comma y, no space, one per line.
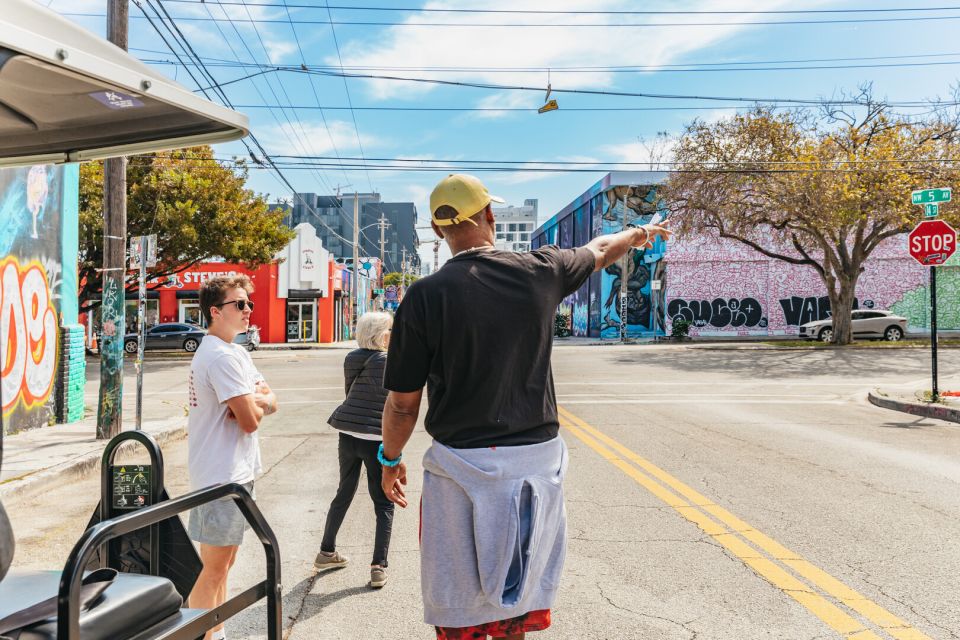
353,452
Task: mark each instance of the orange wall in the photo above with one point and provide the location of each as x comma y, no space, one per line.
270,312
325,308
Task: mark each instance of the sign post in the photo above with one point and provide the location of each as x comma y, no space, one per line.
932,242
143,254
624,290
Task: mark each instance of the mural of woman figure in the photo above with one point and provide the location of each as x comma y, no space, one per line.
36,194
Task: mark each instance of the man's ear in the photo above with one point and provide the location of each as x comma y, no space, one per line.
489,216
436,229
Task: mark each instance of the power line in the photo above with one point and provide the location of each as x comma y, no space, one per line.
186,45
313,86
592,70
605,25
631,94
295,140
589,12
634,67
610,162
568,170
356,127
559,165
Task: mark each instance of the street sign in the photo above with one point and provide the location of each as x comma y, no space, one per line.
136,248
932,242
931,210
927,196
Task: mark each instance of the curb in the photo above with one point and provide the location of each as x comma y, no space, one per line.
926,410
76,469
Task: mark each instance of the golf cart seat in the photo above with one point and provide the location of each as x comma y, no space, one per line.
132,606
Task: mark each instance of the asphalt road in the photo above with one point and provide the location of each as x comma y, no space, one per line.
712,493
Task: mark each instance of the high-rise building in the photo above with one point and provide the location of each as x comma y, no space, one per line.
332,217
400,237
515,225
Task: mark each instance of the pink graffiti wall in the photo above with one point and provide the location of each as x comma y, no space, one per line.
726,288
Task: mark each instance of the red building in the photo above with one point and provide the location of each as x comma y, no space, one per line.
304,296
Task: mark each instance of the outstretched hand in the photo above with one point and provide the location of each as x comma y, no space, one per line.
393,479
654,231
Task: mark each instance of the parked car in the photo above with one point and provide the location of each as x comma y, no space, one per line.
167,335
865,323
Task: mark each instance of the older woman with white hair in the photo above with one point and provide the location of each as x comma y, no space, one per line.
358,420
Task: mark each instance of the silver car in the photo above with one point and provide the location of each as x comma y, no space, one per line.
865,323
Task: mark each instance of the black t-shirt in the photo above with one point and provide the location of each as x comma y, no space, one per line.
478,333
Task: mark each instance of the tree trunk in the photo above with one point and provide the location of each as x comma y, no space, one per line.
841,306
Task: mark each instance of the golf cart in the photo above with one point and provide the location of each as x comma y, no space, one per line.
68,96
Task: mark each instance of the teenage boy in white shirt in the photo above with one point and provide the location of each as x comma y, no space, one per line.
228,399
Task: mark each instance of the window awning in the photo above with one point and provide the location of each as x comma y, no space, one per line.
67,95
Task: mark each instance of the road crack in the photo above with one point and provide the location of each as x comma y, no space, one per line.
683,625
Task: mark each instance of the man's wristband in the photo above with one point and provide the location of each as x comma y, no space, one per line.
646,235
387,462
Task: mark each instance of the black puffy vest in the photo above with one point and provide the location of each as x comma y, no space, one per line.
362,411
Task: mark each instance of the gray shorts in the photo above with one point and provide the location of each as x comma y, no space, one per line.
219,523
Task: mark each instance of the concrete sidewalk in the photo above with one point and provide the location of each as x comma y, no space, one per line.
37,459
913,398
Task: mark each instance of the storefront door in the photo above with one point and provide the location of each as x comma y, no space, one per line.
301,321
190,313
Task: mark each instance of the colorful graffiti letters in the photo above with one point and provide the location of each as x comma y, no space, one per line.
28,334
800,311
721,312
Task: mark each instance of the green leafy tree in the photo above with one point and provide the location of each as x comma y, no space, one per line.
818,188
198,207
394,279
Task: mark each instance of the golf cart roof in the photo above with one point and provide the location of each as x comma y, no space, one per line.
68,95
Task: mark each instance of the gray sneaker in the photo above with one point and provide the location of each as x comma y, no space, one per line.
330,561
378,577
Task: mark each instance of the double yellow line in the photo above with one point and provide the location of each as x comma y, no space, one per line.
822,594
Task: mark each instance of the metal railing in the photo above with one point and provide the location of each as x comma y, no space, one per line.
68,604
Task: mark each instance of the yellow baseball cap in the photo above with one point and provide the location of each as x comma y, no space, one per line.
464,193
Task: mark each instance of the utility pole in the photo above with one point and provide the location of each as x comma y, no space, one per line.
436,255
356,260
403,271
383,224
112,320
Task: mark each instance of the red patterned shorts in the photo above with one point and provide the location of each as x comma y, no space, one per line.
533,621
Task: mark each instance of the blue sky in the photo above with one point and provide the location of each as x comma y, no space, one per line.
483,49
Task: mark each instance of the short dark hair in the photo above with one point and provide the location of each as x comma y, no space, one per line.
446,212
214,291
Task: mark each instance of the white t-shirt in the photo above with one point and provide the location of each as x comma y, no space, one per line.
219,450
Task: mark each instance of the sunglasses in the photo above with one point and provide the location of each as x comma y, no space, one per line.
241,304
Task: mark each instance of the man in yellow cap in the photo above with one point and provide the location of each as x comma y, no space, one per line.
478,333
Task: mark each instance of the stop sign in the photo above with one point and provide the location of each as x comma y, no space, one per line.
932,242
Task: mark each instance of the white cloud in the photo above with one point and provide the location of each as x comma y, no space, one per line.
507,100
307,138
482,48
645,151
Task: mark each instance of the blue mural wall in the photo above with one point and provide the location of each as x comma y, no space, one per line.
594,310
38,289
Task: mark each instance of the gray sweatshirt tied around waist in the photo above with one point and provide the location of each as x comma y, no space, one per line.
493,531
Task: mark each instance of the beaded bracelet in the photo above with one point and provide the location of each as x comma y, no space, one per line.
387,462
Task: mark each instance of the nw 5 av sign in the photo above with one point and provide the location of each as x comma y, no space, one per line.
932,242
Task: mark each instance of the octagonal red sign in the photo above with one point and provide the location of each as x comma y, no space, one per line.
932,242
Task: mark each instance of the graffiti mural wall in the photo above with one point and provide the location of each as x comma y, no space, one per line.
722,287
725,288
38,267
594,310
